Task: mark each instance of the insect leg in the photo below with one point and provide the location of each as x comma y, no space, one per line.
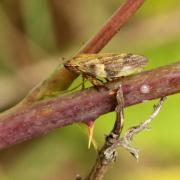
108,79
83,81
94,81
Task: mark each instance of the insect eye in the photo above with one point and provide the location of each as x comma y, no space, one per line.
66,65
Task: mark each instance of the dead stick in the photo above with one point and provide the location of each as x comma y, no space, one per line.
108,153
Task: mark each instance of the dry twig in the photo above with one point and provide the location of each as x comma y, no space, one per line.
125,141
108,153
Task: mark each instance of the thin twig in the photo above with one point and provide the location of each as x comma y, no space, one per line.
103,161
108,153
125,141
112,26
118,125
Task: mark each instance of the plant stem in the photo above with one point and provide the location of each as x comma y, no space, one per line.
62,78
87,105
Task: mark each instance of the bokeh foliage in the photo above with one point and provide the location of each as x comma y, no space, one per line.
36,32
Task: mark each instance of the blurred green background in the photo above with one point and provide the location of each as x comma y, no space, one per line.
35,34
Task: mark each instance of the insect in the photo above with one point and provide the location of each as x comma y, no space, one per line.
105,65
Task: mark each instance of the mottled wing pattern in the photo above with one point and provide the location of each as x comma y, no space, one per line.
124,65
108,65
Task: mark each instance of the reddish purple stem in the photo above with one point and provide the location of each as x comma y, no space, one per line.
118,19
86,105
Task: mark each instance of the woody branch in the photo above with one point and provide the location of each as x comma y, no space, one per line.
82,106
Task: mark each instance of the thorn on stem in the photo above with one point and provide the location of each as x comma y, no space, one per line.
91,131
